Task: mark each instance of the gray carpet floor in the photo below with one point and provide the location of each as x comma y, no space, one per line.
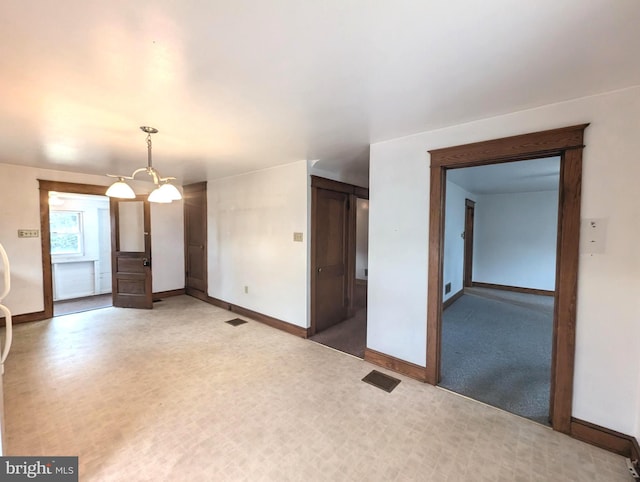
349,336
496,348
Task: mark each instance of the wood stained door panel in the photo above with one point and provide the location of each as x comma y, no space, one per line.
195,232
331,257
131,270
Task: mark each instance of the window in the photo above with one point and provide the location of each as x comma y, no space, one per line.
66,232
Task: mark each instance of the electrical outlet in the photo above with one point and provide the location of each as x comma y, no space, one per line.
447,288
246,290
28,233
297,237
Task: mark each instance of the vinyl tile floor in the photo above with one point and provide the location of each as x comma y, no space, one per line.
177,394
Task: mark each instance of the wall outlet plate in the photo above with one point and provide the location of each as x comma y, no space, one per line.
28,233
297,237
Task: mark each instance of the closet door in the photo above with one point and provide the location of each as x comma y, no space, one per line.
195,242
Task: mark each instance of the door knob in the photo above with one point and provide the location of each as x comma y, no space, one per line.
146,262
319,270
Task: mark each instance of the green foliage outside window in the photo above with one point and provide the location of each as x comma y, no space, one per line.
65,228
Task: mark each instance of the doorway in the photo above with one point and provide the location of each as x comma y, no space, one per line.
195,240
80,237
567,143
497,327
339,265
46,187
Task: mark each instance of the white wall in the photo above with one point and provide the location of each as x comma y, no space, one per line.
453,265
606,390
515,239
398,228
251,221
20,208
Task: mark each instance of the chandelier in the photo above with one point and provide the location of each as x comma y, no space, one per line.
164,192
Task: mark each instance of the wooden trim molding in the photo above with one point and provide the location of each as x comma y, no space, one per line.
446,304
331,185
517,289
567,143
313,262
45,246
167,294
605,438
514,148
435,270
72,187
26,318
395,364
362,192
254,315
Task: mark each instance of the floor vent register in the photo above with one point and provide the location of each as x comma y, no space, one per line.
381,381
236,322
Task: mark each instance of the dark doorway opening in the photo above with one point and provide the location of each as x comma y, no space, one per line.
339,244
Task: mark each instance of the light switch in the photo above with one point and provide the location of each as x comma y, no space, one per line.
593,235
297,237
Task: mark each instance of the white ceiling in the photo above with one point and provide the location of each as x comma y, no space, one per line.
522,176
238,85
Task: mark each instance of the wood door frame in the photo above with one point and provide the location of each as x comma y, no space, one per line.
467,276
354,193
187,190
568,143
45,234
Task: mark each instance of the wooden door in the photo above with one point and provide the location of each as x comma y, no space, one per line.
195,239
131,253
330,231
469,216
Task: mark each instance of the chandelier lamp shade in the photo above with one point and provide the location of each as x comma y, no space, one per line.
164,191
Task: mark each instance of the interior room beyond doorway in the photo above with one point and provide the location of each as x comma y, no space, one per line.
80,234
497,323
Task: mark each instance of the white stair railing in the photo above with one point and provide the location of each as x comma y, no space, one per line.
7,313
